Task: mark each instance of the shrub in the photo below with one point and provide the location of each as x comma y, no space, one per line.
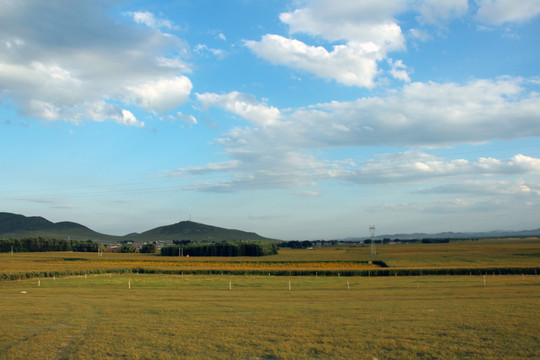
148,248
127,248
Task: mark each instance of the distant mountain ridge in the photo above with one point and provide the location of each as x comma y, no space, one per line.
20,226
455,235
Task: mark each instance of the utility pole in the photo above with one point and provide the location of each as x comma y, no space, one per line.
372,235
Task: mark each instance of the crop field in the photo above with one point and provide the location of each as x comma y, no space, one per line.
102,308
511,256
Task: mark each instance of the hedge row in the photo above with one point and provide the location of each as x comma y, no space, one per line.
54,274
375,272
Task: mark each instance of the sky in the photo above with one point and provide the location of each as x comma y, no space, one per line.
295,119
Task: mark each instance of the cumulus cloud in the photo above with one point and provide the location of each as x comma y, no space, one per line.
398,70
364,31
498,12
353,64
87,66
420,114
356,21
357,35
289,150
241,104
161,95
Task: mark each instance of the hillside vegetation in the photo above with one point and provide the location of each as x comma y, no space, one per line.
18,226
190,230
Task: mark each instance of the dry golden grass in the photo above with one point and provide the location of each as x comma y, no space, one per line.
197,317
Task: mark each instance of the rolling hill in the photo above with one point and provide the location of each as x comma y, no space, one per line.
20,226
190,230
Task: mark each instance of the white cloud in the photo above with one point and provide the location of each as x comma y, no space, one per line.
204,49
359,34
86,66
148,19
355,21
420,167
101,111
486,187
362,33
243,105
290,152
210,168
422,114
352,64
398,70
498,12
129,119
161,95
420,34
173,63
435,11
260,168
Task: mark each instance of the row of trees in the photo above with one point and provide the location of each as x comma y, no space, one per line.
40,244
130,248
225,248
295,244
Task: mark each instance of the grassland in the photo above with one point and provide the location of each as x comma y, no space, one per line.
198,317
115,313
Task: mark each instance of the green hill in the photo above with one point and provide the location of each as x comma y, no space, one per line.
20,226
190,230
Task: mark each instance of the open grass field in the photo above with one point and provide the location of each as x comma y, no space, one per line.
100,308
198,317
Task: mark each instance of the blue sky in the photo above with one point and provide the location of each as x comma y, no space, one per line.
294,119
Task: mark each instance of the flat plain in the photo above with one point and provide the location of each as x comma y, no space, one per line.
125,315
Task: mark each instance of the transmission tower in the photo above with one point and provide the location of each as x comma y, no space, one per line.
372,233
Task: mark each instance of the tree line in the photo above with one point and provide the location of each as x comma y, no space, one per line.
224,248
296,244
40,244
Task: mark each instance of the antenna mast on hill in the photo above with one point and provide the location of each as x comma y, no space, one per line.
372,235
